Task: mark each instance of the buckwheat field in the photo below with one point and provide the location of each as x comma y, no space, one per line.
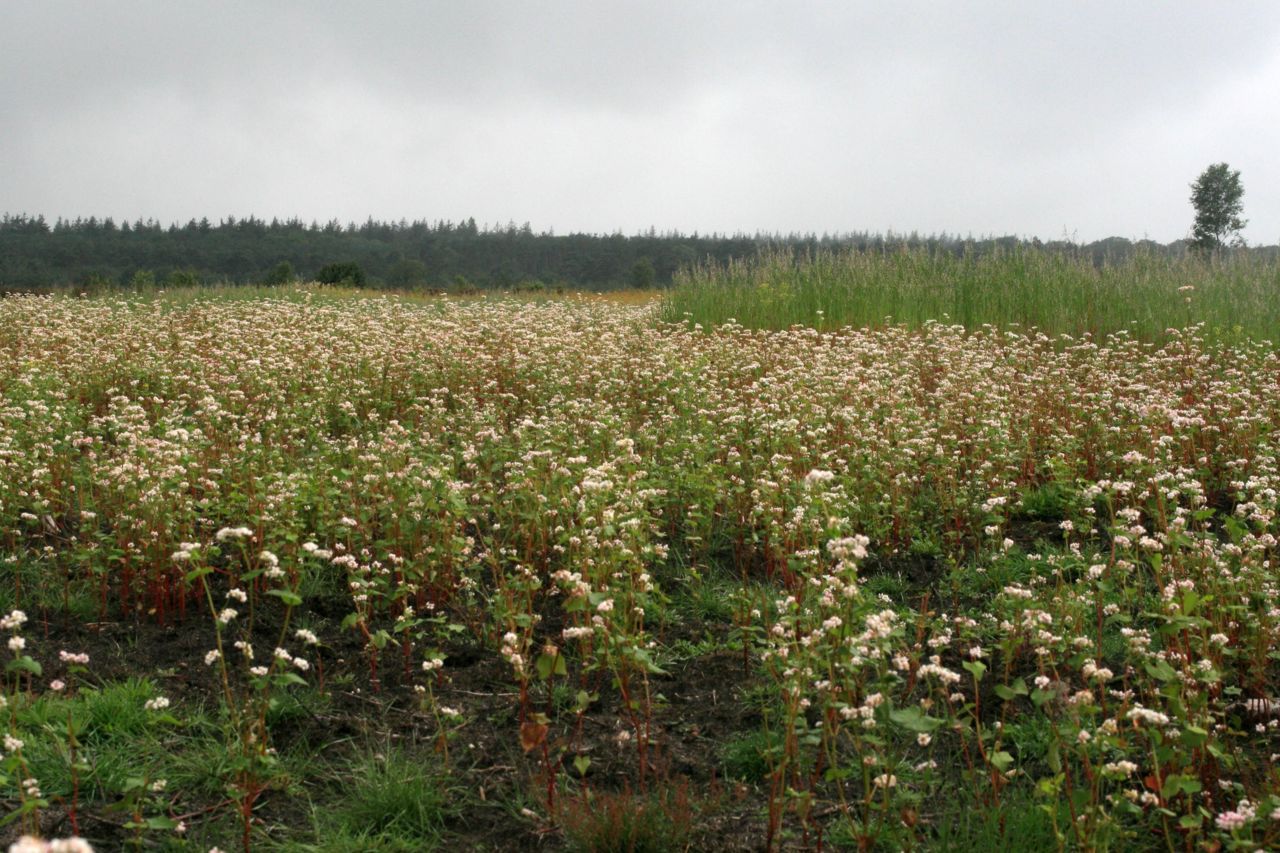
319,571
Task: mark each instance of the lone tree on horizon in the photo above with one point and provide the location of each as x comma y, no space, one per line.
1216,196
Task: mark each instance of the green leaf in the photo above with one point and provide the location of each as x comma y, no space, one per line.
1172,786
913,719
289,597
1007,693
29,807
549,665
24,664
196,574
1051,787
977,667
1193,736
643,657
1002,761
581,763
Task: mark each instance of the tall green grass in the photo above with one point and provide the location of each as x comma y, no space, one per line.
1055,292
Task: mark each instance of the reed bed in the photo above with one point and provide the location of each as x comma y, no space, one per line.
1145,294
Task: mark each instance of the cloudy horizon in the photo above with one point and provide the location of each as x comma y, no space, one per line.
1079,120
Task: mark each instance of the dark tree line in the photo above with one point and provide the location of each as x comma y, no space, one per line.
100,253
35,254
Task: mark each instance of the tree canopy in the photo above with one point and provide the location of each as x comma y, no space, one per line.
1217,196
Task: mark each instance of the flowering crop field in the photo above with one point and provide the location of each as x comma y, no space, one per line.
312,573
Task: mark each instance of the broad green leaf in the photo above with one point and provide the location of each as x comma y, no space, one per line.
548,665
289,597
913,719
1008,692
24,664
1161,670
1193,736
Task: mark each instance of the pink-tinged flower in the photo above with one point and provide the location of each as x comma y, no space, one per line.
229,533
817,477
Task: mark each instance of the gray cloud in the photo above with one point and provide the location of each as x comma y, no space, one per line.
1029,118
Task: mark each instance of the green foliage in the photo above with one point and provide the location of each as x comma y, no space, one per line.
752,756
407,274
1217,196
705,598
143,280
1018,824
642,274
281,273
118,740
1047,502
1055,292
182,278
345,273
394,796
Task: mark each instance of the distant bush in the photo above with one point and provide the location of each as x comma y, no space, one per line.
281,273
143,280
642,274
346,273
182,278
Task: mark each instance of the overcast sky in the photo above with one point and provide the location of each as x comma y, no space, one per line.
1032,118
